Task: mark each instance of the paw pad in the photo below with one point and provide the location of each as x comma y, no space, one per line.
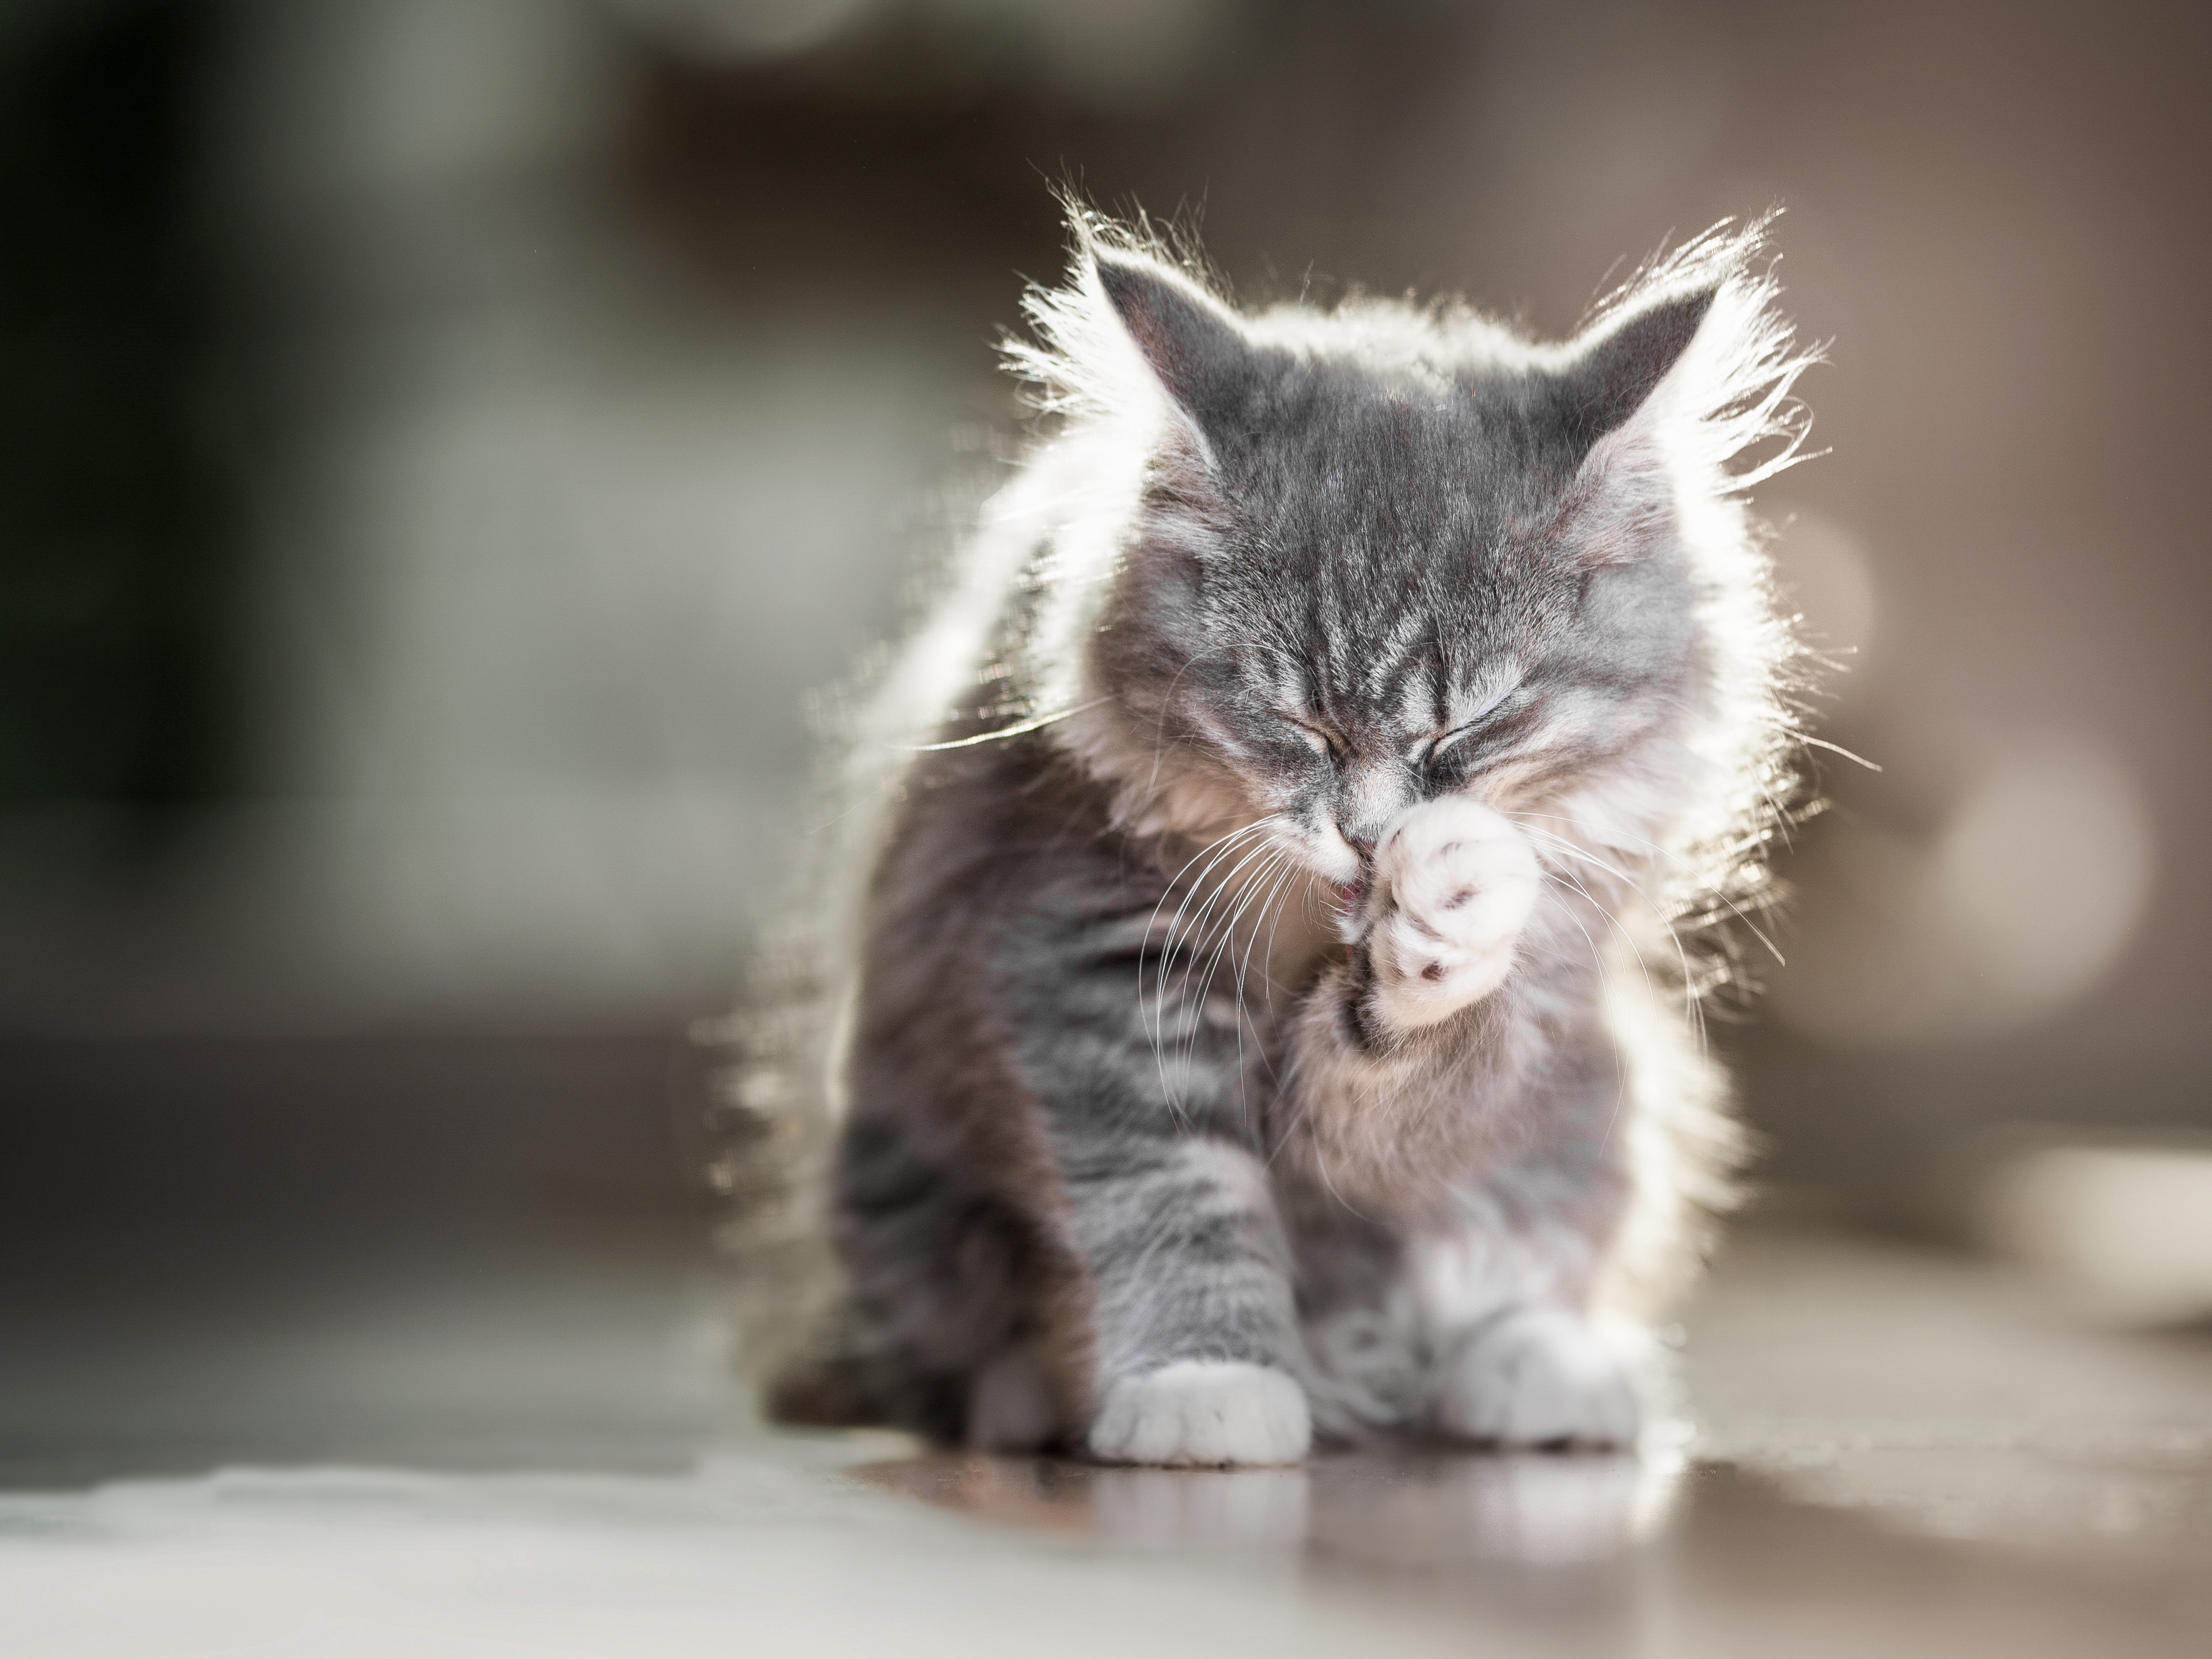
1452,889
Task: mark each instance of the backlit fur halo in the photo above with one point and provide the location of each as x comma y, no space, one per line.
1724,420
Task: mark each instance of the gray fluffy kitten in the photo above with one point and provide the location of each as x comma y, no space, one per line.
1269,1016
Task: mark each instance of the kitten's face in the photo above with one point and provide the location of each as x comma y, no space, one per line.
1403,592
1357,674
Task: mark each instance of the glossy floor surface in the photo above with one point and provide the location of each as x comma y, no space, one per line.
1883,1452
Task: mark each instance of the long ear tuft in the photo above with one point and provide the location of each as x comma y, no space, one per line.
1137,330
1189,341
1702,322
1624,366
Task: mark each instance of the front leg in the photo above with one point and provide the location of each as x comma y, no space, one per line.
1409,1063
1504,1294
1194,1334
1456,1072
1186,1312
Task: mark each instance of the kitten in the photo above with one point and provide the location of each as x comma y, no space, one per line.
1270,1016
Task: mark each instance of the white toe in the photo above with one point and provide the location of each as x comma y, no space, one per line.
1453,887
1201,1412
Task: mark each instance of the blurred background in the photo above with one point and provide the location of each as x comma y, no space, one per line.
443,446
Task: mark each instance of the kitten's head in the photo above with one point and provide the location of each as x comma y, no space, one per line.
1382,554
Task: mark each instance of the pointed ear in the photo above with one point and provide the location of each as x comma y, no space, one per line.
1619,371
1192,342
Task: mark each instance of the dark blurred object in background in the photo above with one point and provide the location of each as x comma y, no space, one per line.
120,600
444,445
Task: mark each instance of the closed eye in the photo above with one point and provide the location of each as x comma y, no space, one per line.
1466,728
1323,744
1440,745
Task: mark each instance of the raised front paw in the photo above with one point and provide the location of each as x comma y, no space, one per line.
1537,1376
1454,884
1203,1412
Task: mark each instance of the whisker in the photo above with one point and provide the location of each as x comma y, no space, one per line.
1693,1009
1292,874
1020,728
1693,1005
1217,849
1732,851
1226,845
1275,873
1286,870
1225,939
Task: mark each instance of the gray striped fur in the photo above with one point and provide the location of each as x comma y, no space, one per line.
1173,1115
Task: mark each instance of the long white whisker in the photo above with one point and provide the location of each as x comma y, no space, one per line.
1284,871
1275,874
1196,934
1224,939
1693,1006
1227,936
1619,926
1666,853
1020,728
1217,849
1568,911
1269,959
1202,923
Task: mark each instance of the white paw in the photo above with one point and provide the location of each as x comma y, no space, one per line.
1454,884
1203,1412
1538,1376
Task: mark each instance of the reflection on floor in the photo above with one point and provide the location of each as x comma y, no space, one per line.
1418,1511
1598,1555
1954,1400
1883,1451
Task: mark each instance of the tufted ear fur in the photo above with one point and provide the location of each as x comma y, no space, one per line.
1622,493
1191,342
1616,373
